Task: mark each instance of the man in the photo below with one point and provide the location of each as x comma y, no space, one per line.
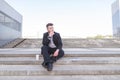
52,47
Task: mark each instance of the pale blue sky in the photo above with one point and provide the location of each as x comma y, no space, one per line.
72,18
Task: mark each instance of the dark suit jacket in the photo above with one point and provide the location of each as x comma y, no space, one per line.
56,39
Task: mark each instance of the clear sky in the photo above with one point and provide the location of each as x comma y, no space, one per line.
72,18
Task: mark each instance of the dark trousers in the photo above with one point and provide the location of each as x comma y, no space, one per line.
47,53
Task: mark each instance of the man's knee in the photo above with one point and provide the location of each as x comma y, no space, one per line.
61,53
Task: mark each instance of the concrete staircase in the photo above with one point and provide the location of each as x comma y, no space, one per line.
78,64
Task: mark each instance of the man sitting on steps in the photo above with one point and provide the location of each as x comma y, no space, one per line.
52,47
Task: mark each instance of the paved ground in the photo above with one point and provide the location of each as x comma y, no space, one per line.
71,43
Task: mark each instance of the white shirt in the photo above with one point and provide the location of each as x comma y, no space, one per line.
51,44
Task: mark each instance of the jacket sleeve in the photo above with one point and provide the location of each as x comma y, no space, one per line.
45,40
59,42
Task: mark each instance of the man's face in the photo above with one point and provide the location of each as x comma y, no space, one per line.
50,29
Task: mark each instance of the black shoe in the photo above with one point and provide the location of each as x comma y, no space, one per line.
44,65
49,66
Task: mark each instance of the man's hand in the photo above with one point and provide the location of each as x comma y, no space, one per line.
56,53
51,33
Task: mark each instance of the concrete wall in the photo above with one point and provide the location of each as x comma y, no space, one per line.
116,18
119,12
9,33
8,10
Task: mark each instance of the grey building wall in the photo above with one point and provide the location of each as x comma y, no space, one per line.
10,23
119,13
116,18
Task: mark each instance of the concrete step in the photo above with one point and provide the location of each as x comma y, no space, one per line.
76,64
37,70
93,52
73,77
63,61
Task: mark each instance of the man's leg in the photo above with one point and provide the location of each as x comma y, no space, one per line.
45,53
60,55
47,60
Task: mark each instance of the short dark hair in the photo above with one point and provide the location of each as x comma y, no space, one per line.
49,24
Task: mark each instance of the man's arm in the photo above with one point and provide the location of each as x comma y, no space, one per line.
59,46
45,40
